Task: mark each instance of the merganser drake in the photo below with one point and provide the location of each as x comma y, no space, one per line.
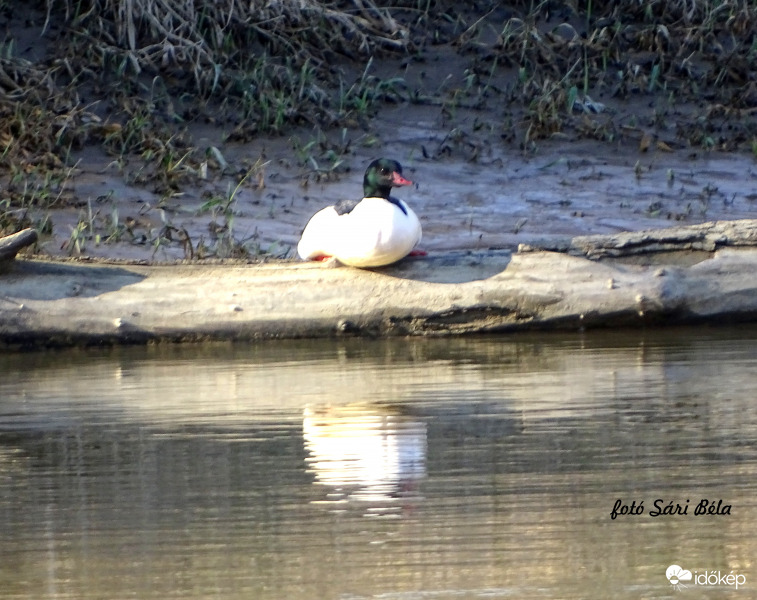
375,231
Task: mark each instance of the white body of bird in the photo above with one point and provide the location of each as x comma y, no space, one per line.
376,232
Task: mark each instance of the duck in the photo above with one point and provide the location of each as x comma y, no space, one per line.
373,232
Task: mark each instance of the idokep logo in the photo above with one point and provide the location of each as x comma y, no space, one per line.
677,575
679,578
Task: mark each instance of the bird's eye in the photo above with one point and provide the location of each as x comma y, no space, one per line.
384,171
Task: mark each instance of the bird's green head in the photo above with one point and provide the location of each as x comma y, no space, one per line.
381,176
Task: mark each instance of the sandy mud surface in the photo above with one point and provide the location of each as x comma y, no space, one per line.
470,192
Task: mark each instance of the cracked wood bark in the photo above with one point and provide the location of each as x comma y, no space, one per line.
706,237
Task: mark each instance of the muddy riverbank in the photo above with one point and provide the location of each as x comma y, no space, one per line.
521,126
502,199
516,122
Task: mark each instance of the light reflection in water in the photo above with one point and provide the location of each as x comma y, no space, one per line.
364,452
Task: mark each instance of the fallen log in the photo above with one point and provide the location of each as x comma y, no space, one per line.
57,303
10,245
705,237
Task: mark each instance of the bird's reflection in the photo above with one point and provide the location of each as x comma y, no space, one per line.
367,453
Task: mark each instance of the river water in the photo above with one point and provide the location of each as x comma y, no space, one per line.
383,469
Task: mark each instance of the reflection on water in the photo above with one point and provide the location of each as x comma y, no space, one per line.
365,452
461,468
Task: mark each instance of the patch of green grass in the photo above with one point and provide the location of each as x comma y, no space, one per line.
631,49
224,240
324,156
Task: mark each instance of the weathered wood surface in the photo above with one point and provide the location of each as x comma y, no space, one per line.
706,237
54,303
10,245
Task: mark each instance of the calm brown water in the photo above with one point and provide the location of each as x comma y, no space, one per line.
402,469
